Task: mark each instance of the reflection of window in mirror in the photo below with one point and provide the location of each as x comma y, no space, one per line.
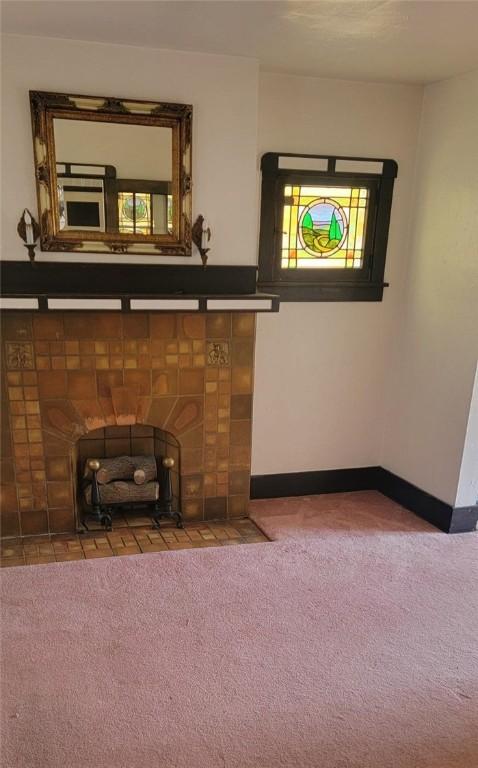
145,213
114,177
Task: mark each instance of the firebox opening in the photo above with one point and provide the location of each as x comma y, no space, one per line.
132,441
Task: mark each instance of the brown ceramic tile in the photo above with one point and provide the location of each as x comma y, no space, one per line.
91,413
81,385
192,460
160,410
16,326
15,393
243,352
87,347
59,494
48,326
192,326
62,520
57,468
55,446
163,326
139,381
215,508
115,348
17,407
243,324
218,325
191,382
101,347
193,486
32,407
239,481
135,326
30,378
241,432
8,497
7,473
241,380
241,406
10,524
187,413
57,348
107,379
52,384
238,506
34,521
240,456
194,438
30,393
42,348
72,347
100,325
125,403
165,382
15,379
106,404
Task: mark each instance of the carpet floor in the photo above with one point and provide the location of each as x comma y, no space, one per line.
350,641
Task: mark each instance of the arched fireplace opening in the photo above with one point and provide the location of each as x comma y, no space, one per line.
121,475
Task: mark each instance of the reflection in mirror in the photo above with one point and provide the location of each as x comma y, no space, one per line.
114,177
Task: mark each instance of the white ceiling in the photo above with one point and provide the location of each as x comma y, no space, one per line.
417,42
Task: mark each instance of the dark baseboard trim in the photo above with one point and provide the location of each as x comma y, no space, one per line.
309,483
426,506
464,519
440,514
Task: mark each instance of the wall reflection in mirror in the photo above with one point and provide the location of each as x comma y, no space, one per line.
114,177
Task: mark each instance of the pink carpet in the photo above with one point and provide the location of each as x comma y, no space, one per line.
349,642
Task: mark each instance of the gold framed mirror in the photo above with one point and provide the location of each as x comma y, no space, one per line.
113,175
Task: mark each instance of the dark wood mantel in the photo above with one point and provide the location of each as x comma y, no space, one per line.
49,286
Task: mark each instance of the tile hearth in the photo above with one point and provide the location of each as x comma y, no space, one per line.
128,540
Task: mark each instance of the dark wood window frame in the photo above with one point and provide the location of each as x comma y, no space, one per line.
364,284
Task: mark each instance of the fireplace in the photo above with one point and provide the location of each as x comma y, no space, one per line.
74,380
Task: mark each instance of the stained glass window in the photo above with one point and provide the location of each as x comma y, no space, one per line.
134,213
324,227
145,213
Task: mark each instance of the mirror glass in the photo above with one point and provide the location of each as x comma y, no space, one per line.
114,177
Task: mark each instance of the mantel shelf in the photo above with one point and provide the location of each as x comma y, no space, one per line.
250,302
129,288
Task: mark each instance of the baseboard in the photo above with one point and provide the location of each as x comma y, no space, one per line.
423,504
440,514
464,519
309,483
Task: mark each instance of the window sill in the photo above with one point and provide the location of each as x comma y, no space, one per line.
325,291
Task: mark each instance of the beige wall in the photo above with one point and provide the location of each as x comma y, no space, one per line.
319,381
432,372
222,90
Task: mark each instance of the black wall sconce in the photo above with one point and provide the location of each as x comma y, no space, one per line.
29,231
201,235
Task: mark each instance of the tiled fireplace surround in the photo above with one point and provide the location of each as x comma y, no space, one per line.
69,373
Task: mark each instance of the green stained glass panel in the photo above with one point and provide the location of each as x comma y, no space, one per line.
324,227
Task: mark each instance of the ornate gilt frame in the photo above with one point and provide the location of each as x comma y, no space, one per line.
46,106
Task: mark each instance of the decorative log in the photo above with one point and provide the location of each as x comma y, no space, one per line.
121,492
123,468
